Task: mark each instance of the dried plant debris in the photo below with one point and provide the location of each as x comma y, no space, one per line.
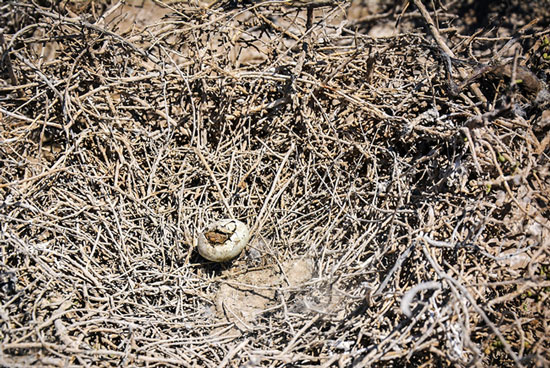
391,160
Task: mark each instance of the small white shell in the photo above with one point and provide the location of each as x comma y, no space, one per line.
223,240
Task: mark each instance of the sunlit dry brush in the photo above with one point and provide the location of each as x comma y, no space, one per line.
391,164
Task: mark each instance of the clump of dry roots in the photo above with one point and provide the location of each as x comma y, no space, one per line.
396,183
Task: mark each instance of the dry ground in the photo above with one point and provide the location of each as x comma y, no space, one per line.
391,161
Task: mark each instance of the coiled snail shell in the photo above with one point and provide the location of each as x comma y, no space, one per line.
223,240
